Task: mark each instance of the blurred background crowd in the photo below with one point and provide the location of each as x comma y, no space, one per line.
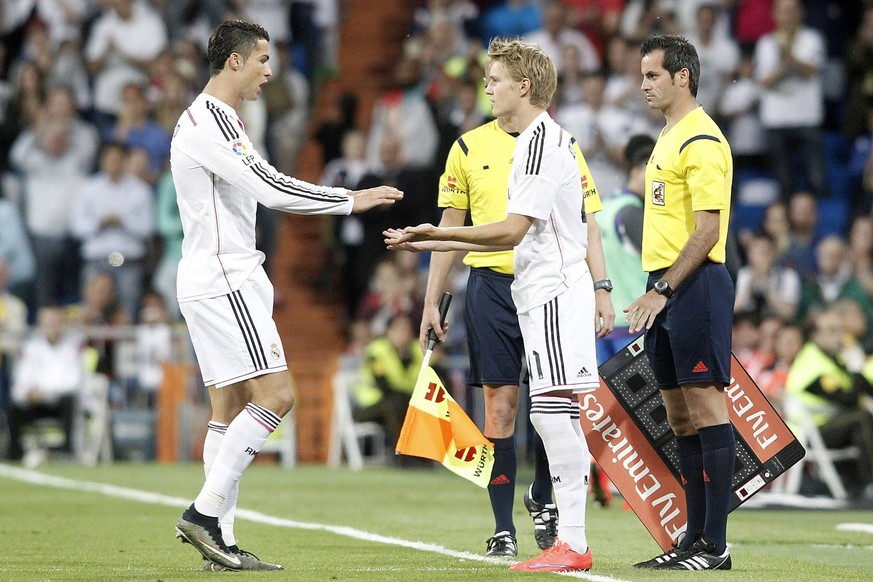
90,91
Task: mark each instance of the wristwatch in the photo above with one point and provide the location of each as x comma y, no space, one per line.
663,288
604,284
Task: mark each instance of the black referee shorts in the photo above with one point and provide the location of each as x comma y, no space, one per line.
493,336
690,340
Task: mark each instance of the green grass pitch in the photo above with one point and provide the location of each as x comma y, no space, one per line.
66,522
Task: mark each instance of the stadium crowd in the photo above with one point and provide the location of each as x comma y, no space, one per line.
90,91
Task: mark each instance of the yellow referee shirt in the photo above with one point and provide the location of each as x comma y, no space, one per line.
476,179
690,169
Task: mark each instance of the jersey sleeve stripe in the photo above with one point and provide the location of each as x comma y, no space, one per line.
224,124
283,184
535,151
697,137
463,145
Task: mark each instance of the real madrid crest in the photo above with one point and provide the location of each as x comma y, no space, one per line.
274,351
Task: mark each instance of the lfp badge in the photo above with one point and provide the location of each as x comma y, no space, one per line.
239,148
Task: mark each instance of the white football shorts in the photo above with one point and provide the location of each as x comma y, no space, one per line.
559,341
234,335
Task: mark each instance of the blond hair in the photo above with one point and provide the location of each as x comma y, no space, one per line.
523,60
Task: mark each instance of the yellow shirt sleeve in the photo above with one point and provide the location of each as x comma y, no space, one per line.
589,189
454,191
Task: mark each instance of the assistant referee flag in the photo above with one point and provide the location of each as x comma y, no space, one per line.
437,428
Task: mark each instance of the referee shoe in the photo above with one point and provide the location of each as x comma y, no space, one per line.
666,559
503,544
703,557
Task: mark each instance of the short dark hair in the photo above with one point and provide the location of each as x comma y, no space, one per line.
638,150
233,36
679,54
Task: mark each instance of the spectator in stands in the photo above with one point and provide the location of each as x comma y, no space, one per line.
168,225
123,41
860,167
403,114
719,56
510,19
752,19
15,250
597,19
860,251
48,378
764,287
786,344
340,117
171,100
776,226
13,326
831,390
390,368
61,104
859,74
135,128
345,235
833,281
417,185
738,107
389,294
788,65
53,168
463,14
803,224
113,212
154,346
859,338
602,132
99,304
642,18
286,99
557,33
570,79
622,237
23,108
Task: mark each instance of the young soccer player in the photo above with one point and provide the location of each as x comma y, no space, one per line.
553,290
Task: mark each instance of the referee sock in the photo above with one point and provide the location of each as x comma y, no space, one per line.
569,460
244,438
211,445
541,489
501,488
691,469
719,456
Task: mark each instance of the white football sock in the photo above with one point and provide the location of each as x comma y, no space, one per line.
243,440
569,462
211,446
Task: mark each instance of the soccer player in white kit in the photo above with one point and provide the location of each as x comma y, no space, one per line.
224,293
553,290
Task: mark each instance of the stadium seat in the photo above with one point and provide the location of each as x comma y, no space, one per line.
357,442
283,442
821,457
91,441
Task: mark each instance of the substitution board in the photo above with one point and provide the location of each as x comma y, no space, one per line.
626,426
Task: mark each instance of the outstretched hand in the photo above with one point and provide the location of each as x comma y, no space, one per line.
364,200
411,238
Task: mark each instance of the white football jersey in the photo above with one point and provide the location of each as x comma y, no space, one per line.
545,185
220,179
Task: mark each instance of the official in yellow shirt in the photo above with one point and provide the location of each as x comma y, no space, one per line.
687,310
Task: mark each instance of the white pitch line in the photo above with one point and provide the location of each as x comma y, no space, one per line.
149,497
858,527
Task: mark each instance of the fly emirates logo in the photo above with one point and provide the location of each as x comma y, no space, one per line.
657,495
